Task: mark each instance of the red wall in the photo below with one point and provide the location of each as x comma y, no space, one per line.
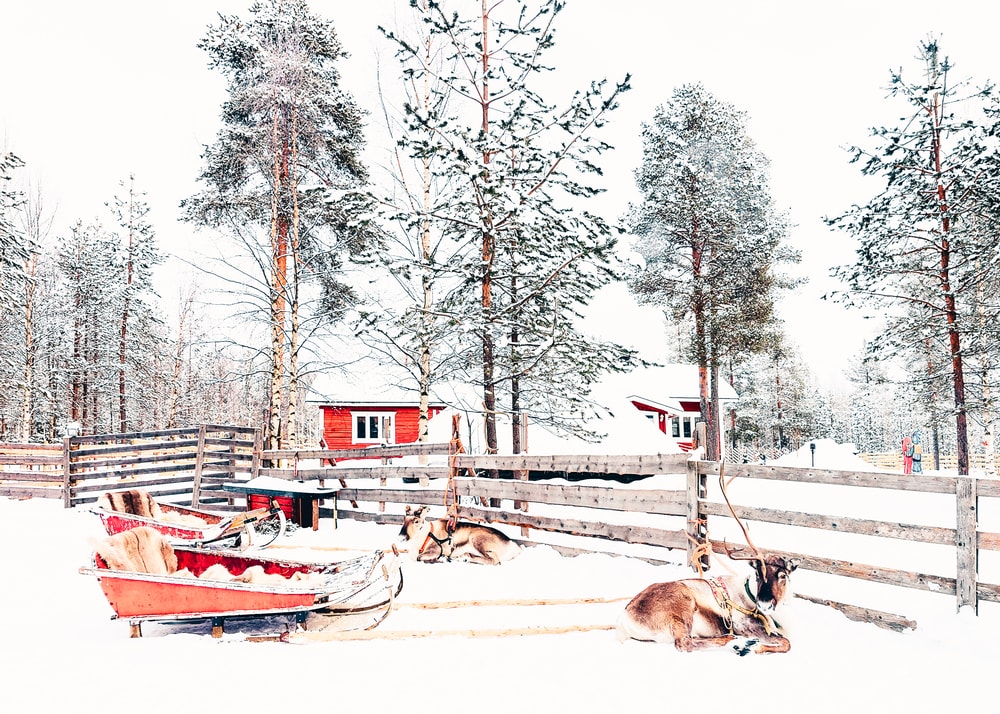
338,426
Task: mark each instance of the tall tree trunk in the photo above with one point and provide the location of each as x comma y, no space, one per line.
426,321
123,343
27,406
279,285
489,248
951,311
293,346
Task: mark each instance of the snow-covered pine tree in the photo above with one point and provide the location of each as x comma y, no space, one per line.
93,319
710,236
138,338
284,177
13,251
528,252
929,240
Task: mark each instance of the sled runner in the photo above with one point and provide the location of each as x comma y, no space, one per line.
124,510
145,578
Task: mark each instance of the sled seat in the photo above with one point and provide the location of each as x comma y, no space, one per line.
139,550
134,502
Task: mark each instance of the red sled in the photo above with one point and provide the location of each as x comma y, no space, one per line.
145,578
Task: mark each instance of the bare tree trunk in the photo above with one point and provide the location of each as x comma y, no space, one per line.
122,345
279,284
175,382
489,248
31,271
293,347
951,311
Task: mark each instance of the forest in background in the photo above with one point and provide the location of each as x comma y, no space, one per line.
447,267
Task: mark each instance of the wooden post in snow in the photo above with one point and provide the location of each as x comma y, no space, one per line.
966,546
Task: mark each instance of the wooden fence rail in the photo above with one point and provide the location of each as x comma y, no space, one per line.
683,511
680,515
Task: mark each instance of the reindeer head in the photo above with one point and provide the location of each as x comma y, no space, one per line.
415,526
772,573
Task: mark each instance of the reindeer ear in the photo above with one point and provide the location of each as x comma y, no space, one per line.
408,510
791,565
419,512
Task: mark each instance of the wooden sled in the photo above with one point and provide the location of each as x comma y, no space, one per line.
145,578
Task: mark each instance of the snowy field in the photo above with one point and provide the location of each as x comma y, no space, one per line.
63,652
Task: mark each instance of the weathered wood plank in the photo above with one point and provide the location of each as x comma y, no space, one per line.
988,541
837,524
412,496
871,573
988,591
33,476
358,472
631,465
988,487
876,479
885,620
29,492
52,459
572,526
659,502
120,485
395,450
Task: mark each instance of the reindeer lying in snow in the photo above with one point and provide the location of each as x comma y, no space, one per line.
696,614
430,540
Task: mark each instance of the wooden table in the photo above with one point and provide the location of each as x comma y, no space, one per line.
301,498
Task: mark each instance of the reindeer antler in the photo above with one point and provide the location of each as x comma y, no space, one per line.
746,534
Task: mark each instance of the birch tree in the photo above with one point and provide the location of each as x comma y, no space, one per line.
527,254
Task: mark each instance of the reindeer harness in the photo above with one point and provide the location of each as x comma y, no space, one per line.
440,542
727,604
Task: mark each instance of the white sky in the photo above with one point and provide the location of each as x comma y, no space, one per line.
92,92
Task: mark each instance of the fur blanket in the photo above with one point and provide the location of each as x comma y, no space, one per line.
134,502
140,550
146,550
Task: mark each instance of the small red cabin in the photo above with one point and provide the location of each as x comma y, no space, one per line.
354,424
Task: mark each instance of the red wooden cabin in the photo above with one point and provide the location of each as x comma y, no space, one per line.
354,424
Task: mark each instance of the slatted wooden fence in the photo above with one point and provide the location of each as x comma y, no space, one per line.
687,506
682,510
186,465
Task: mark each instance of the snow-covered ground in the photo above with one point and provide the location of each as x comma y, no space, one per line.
62,651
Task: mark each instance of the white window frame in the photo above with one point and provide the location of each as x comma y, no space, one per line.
383,437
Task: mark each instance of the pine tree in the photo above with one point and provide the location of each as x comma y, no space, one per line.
138,255
13,251
527,254
928,241
709,235
286,163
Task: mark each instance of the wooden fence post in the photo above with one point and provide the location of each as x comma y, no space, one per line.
697,521
258,447
199,465
966,546
67,482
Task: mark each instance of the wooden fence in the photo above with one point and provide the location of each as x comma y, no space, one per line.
678,509
189,463
686,508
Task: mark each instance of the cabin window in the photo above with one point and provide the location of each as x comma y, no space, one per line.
675,428
374,427
687,428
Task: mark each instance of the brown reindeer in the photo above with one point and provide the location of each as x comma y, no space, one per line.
431,540
714,612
